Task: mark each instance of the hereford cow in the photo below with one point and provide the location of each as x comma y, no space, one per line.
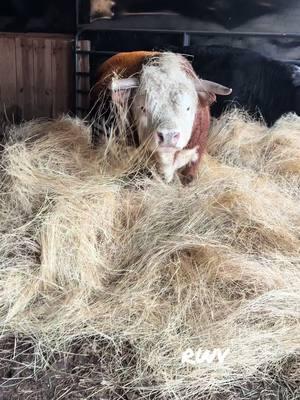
264,87
169,105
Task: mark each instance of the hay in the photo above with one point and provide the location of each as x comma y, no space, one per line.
128,272
238,140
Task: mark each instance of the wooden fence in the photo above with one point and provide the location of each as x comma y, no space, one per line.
36,74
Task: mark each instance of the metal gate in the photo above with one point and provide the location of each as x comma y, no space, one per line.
100,39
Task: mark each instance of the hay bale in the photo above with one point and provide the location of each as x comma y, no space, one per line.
95,256
238,140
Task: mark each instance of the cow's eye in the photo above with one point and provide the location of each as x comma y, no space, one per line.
188,109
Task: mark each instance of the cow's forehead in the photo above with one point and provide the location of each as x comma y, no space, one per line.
164,72
154,84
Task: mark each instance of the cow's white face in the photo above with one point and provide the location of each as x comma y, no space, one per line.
165,104
165,120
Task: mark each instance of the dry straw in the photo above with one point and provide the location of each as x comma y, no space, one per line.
92,247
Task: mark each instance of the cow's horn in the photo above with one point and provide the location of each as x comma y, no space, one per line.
123,84
212,87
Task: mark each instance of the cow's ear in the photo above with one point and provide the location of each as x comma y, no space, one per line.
206,98
208,90
120,89
120,97
122,84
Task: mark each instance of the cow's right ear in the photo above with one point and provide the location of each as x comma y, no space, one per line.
121,88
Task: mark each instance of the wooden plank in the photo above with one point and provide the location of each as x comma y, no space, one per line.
8,81
19,74
42,78
62,76
25,74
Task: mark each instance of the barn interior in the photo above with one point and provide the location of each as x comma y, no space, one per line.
115,284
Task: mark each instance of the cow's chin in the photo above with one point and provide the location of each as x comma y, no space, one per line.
154,147
166,149
163,149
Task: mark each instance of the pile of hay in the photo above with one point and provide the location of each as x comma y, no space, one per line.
108,276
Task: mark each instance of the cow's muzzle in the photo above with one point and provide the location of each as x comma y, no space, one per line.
166,138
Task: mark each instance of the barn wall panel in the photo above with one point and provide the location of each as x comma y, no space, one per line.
42,77
25,77
8,82
62,69
36,75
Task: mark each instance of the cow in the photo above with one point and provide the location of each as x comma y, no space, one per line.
169,105
264,87
228,13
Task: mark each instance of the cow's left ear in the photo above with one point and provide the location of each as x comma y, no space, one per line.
122,84
208,90
120,97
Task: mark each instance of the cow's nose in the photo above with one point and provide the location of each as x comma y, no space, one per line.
160,137
167,138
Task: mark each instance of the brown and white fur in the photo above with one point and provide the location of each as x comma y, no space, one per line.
169,105
102,9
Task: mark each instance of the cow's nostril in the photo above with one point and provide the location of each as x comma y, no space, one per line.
176,137
160,137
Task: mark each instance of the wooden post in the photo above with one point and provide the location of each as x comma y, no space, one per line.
83,48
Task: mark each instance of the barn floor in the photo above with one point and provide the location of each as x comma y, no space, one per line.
108,276
81,374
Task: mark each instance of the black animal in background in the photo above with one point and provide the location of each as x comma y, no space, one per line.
265,87
229,13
